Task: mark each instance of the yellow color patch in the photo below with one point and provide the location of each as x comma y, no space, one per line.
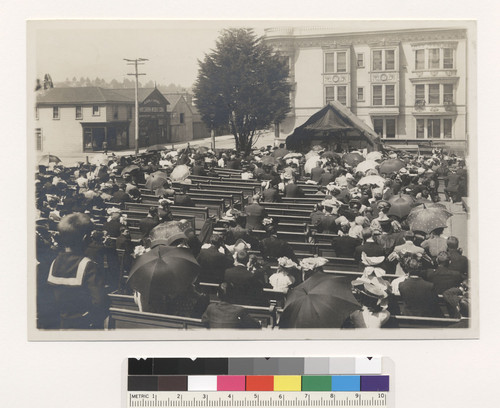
287,383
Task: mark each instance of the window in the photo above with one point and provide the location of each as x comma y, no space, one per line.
434,93
390,128
336,93
434,58
385,127
434,128
419,94
448,58
341,62
378,126
342,94
384,60
130,112
95,110
389,60
361,94
330,62
447,125
377,60
55,112
330,94
181,118
384,95
336,61
389,94
78,112
115,112
36,113
419,59
448,94
420,128
377,95
360,60
38,135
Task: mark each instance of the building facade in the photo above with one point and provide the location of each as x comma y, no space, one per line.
410,85
72,120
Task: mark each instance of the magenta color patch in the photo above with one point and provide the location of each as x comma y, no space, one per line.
231,383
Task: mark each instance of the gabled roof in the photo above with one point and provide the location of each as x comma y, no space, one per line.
80,95
142,93
92,94
174,99
332,121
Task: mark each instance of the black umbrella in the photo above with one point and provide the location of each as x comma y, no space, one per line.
163,270
130,169
323,300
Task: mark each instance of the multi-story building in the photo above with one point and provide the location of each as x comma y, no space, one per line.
409,85
72,120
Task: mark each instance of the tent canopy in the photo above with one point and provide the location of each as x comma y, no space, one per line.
333,125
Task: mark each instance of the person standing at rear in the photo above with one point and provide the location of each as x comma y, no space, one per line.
77,282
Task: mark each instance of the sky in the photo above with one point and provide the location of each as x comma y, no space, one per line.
96,48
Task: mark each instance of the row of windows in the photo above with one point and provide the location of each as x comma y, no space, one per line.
385,60
385,95
426,128
96,111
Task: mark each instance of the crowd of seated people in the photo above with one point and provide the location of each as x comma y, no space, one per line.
85,248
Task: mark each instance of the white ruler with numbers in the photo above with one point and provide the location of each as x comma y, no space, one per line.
262,399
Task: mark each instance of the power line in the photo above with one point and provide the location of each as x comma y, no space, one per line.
136,62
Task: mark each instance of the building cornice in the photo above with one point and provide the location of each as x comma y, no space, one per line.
373,38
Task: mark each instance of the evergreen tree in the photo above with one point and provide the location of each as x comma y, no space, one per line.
242,82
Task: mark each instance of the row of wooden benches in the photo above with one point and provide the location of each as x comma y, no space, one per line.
124,314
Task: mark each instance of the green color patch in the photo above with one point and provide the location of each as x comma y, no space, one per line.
316,383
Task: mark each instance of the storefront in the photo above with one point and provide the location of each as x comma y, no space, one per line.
116,134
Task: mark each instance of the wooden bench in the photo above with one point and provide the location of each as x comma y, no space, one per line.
133,319
416,322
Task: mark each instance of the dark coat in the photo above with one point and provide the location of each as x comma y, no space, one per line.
183,200
316,173
198,170
458,262
274,248
293,190
121,197
147,224
225,315
247,288
420,298
271,195
213,265
444,278
326,178
113,228
345,246
255,214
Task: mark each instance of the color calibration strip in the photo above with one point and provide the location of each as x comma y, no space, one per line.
343,374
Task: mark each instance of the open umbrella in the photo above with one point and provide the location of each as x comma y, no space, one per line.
155,181
48,158
401,205
280,152
330,154
366,165
374,156
311,163
269,160
391,166
164,270
100,159
180,173
353,159
293,156
372,180
130,169
156,148
202,150
427,218
323,300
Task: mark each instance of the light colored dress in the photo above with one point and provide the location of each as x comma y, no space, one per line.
281,281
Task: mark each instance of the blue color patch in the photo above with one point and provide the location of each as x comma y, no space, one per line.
346,383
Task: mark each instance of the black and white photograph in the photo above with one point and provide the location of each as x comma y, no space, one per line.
252,179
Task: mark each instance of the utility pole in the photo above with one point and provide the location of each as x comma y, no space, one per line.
136,62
